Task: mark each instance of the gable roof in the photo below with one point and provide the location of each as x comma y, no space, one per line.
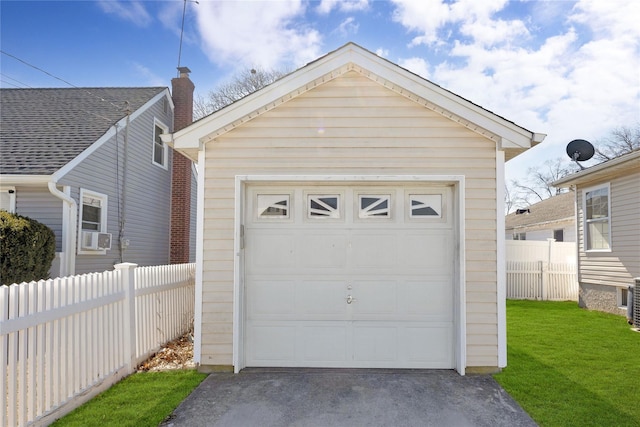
512,138
603,171
41,130
552,210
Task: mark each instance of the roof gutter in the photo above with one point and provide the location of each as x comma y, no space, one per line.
69,229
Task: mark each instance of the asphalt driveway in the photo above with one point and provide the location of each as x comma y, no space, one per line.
348,397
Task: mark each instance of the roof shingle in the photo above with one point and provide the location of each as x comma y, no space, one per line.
41,130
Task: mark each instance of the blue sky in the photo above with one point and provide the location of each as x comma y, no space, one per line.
570,69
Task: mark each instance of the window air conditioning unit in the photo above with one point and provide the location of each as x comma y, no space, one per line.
92,240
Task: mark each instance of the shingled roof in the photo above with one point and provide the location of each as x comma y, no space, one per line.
554,209
41,130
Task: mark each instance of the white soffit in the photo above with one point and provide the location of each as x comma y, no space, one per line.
354,58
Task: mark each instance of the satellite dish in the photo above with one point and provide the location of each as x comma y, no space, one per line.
580,150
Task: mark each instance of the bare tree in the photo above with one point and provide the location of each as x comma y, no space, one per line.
622,140
244,83
538,185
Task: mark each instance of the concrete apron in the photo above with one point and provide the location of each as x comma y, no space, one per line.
348,397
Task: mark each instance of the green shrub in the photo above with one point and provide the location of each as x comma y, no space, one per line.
27,249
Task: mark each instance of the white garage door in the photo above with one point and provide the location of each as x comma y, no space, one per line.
349,276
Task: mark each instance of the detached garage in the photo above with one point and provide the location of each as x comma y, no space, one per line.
351,215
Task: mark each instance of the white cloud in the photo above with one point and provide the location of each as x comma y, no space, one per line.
579,81
267,34
133,11
382,52
148,76
326,6
416,65
347,27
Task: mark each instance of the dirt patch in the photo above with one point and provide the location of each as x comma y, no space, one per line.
176,354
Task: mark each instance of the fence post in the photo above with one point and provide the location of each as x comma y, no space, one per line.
544,278
127,275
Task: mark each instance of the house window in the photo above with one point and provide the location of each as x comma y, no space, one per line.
273,206
93,220
374,206
425,205
8,199
519,236
323,206
160,149
558,235
597,213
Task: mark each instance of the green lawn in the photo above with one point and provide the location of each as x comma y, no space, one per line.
142,399
571,367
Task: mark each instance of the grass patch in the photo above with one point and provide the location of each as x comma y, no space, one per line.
141,399
572,367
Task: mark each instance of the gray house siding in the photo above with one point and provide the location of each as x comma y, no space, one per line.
39,204
142,202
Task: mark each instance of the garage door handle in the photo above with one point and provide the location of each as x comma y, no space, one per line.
350,299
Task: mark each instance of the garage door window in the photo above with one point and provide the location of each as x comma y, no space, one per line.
374,206
273,206
425,205
323,206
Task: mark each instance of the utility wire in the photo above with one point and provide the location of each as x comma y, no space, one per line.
58,78
15,80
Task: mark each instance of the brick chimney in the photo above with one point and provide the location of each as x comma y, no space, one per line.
182,91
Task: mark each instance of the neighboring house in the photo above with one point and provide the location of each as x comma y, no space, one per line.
90,164
350,215
552,218
608,219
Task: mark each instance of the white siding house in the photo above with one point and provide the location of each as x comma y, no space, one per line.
608,220
348,217
552,218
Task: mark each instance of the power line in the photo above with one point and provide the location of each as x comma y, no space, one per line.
15,80
58,78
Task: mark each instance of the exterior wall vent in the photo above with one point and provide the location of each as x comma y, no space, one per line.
95,241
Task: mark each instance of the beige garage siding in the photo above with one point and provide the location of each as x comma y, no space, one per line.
620,266
352,126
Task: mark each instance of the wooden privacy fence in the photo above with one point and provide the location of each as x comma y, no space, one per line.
64,340
541,270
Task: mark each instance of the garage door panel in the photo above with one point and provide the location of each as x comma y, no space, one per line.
398,268
374,298
271,250
430,300
373,250
322,300
319,250
323,343
268,298
274,343
426,251
429,346
375,343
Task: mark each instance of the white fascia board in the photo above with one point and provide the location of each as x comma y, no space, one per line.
592,172
108,135
25,180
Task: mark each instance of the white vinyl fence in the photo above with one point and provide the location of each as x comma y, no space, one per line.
64,340
541,270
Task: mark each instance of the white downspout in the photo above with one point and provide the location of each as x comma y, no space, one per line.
69,230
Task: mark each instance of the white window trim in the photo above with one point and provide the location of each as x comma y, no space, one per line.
103,220
165,147
585,229
12,197
619,296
